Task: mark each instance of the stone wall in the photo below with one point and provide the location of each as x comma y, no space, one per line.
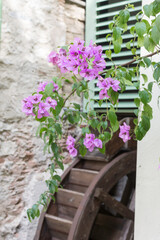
30,30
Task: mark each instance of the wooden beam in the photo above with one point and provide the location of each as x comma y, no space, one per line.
114,204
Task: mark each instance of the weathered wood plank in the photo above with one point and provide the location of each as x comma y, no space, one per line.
58,224
58,235
82,176
69,198
66,212
93,165
75,187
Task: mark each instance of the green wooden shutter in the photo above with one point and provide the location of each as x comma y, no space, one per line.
99,13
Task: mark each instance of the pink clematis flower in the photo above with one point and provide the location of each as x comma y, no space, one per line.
103,94
114,84
43,110
70,140
51,102
53,58
90,142
98,143
41,87
70,146
35,99
27,108
124,132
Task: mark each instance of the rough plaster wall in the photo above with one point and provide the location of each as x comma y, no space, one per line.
30,30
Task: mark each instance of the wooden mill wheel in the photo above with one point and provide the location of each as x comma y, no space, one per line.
86,207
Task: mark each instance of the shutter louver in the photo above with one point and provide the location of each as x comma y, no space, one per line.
99,15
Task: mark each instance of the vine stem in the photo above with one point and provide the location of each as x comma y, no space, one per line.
134,60
69,96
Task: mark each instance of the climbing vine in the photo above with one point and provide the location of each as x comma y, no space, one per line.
86,63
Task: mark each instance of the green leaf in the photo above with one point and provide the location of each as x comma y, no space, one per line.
77,106
149,44
147,25
68,81
155,34
49,89
156,73
150,86
116,34
156,7
137,102
142,64
54,148
140,41
85,130
157,22
127,82
148,10
111,26
114,96
145,96
94,123
57,177
133,50
86,95
108,53
140,28
137,84
103,149
52,188
147,111
132,30
128,45
117,47
140,132
60,164
70,118
29,214
112,117
35,210
92,113
145,123
147,61
82,150
124,16
113,120
107,136
145,78
58,128
104,124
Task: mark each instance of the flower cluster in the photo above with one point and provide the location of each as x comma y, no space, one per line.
80,59
124,132
105,85
30,103
90,142
70,146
